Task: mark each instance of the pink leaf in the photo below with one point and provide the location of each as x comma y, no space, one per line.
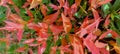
100,44
28,41
19,34
41,48
54,6
95,14
91,46
30,51
107,21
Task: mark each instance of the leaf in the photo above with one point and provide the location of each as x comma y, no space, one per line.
56,29
10,26
77,2
34,3
91,46
2,13
41,48
77,44
104,51
118,41
43,9
19,34
21,49
100,44
28,41
116,48
29,13
104,2
106,9
53,50
66,23
116,5
30,51
107,21
49,19
95,14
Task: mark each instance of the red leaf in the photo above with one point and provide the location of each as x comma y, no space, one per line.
83,32
41,48
43,9
114,34
93,26
104,51
91,36
53,50
100,44
91,46
61,2
104,34
19,34
107,21
65,49
29,13
28,41
49,19
22,49
10,26
56,29
77,44
103,2
95,14
16,9
54,6
26,4
66,23
30,51
77,2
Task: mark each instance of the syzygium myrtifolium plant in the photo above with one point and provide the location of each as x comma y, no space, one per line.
59,27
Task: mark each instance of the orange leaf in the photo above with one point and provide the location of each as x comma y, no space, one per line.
103,2
66,23
43,9
77,2
35,3
49,19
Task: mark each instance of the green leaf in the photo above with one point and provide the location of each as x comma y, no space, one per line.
105,9
81,12
2,13
118,41
46,1
19,3
71,2
116,5
2,47
49,45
